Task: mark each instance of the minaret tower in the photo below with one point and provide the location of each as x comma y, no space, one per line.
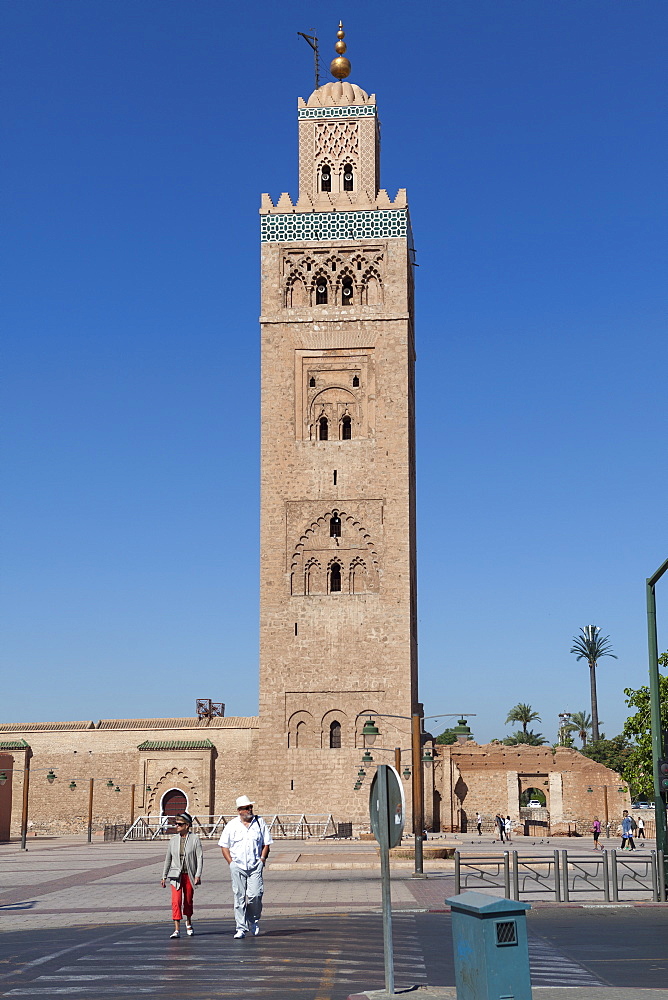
337,582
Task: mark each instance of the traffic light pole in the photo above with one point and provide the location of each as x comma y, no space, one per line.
658,749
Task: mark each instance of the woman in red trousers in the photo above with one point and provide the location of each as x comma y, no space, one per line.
183,868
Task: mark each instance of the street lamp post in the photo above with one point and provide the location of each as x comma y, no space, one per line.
418,793
655,712
370,732
26,791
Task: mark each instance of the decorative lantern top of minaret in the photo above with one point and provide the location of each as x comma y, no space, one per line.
340,66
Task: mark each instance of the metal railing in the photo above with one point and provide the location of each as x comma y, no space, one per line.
564,874
157,827
299,826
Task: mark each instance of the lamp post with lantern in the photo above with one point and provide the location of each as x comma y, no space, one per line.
419,759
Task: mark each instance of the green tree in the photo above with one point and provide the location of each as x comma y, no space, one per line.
613,753
524,714
590,646
638,728
530,738
581,724
447,738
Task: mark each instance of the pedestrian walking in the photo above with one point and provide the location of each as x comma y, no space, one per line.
478,823
183,869
508,827
641,828
500,825
627,832
245,845
608,827
596,830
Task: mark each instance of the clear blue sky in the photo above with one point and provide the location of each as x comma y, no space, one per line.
139,135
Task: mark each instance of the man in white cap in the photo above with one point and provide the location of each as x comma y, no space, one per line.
245,845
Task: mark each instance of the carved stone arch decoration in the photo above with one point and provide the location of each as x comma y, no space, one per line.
296,290
313,576
354,547
372,287
177,778
332,402
328,722
346,276
357,576
320,278
301,730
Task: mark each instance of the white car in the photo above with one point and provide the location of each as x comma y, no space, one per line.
534,804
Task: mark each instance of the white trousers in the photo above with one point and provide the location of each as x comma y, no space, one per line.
247,889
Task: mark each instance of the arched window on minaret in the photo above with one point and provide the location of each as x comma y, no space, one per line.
335,735
347,291
356,381
300,734
335,578
335,526
325,178
348,177
346,428
323,429
321,292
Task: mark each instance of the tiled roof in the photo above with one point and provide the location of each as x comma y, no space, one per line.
229,722
37,727
176,745
13,745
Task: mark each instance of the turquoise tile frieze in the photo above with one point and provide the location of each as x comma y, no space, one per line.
326,226
350,111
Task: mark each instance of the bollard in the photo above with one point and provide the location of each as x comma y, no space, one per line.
662,876
458,870
564,866
557,878
606,876
491,950
655,878
506,873
613,872
516,876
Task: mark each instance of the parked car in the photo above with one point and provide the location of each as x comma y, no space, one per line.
642,805
534,804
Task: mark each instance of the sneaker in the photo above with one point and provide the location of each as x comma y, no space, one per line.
255,928
190,930
175,934
239,934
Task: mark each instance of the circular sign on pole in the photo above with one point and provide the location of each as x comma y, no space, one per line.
387,811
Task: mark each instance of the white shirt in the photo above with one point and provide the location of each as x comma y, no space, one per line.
245,843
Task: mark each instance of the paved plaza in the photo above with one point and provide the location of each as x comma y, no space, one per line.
91,921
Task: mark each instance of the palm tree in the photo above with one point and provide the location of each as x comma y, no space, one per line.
524,714
581,724
591,647
531,739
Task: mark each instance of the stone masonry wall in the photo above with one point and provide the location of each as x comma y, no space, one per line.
211,779
491,778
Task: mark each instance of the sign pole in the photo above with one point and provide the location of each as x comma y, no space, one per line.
383,841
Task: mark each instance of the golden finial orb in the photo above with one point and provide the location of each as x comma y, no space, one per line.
340,67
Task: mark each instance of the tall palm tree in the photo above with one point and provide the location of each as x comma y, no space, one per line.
581,724
590,646
524,714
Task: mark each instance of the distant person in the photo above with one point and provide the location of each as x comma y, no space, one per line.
500,825
627,832
183,869
478,823
641,828
245,845
508,827
608,827
596,831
